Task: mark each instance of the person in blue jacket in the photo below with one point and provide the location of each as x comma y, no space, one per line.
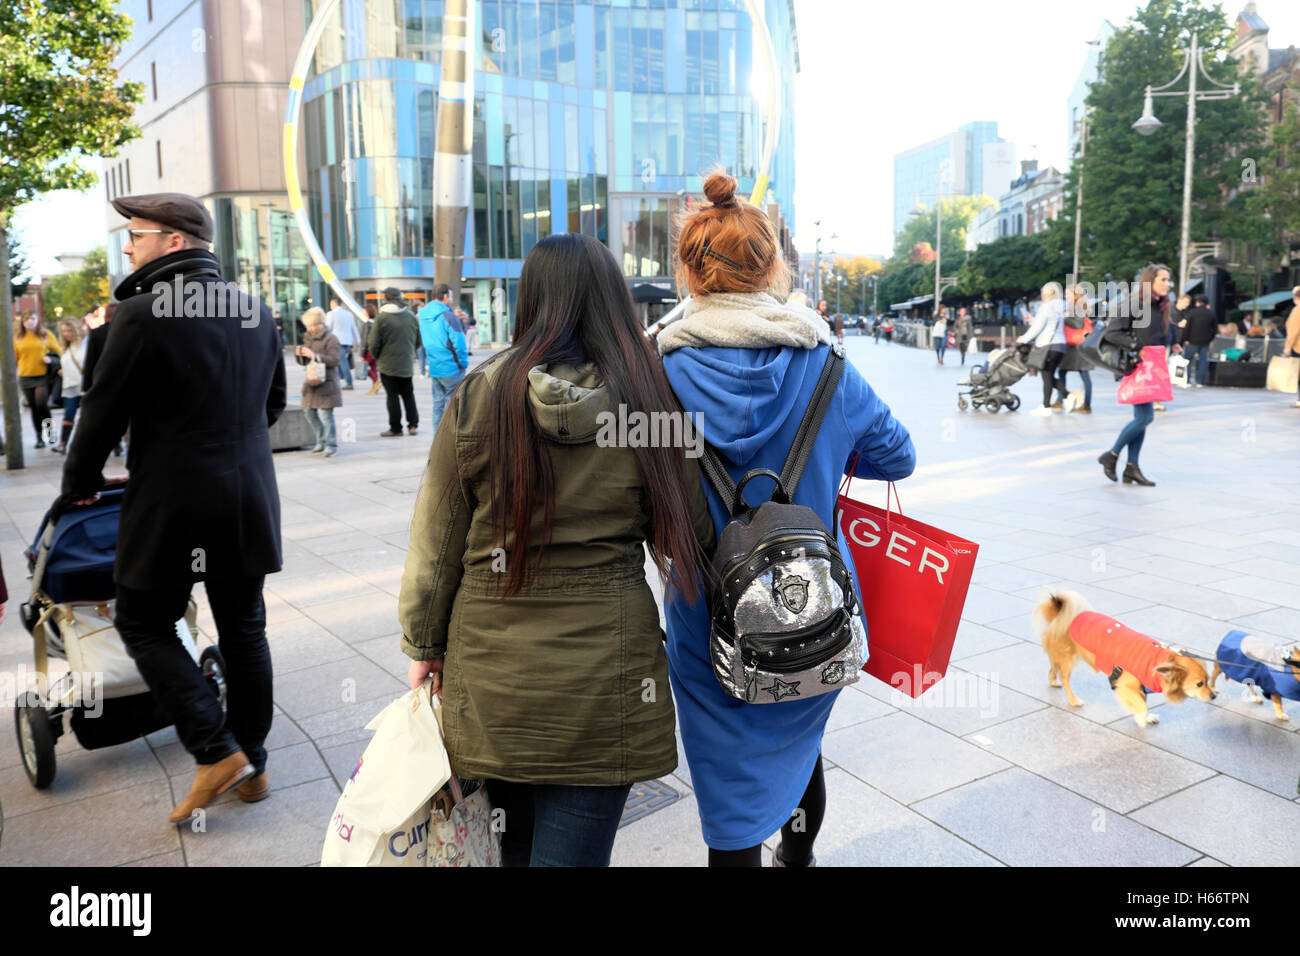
446,356
745,364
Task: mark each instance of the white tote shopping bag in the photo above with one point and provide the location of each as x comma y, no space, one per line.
382,816
1178,371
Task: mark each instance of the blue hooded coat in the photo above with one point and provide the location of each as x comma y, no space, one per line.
751,764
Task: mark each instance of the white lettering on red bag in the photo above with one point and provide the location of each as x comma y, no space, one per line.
930,558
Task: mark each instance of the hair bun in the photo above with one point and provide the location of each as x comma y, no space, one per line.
720,189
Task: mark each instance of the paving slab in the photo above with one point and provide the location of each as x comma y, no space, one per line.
327,687
669,837
1098,763
1023,820
79,775
1230,821
975,638
286,829
907,758
864,827
101,830
961,703
1250,750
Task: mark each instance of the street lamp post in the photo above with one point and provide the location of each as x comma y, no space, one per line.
1078,198
1148,124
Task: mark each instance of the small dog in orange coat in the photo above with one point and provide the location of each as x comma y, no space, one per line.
1134,662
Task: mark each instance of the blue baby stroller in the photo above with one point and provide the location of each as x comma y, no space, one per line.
102,698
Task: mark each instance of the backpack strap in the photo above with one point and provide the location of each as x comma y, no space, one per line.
802,446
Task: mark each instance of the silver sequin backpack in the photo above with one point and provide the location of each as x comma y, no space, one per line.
786,623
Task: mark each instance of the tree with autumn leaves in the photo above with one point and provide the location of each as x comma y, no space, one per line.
62,103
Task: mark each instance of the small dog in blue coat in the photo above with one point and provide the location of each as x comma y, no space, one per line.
1261,666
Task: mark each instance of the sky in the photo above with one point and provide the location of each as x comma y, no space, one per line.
878,77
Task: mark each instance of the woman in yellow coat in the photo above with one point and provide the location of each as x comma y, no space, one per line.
34,345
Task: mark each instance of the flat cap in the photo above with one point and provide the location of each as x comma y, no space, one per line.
170,209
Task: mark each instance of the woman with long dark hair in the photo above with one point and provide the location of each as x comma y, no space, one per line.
1147,320
525,591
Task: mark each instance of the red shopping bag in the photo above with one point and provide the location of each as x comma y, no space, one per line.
1149,382
914,579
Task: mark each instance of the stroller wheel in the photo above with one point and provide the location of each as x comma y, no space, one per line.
213,666
35,740
993,406
962,403
1014,402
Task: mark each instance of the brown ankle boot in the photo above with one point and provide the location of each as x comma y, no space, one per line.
254,788
210,781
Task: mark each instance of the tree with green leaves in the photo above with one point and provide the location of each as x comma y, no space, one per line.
76,293
1007,268
905,277
1271,197
61,102
1133,184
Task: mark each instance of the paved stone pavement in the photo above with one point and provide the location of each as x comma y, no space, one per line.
991,767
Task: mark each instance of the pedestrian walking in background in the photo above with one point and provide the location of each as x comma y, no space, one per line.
70,368
1046,334
748,364
839,328
822,311
200,394
1077,327
393,341
1148,321
963,332
1292,346
1196,332
321,396
548,659
939,336
446,350
471,331
372,369
36,350
342,324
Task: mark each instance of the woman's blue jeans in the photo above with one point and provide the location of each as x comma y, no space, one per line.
322,423
1135,431
555,825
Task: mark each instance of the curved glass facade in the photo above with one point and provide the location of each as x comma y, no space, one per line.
589,116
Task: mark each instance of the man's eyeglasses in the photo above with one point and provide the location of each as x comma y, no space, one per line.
137,233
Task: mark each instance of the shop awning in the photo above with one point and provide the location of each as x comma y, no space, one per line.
649,292
1266,301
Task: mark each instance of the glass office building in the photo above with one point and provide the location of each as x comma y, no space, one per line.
591,116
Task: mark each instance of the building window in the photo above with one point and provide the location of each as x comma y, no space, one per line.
158,149
153,75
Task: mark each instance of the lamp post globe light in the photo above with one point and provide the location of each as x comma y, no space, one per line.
1147,124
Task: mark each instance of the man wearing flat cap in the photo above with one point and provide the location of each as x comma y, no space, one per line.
393,341
196,369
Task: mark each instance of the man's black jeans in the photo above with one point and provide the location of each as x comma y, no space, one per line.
400,387
147,622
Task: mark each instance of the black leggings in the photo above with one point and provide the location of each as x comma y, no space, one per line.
796,844
1051,363
38,398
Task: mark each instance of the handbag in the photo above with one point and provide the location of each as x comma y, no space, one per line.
1113,349
462,831
1178,371
1077,329
316,372
1284,374
382,818
952,340
1149,382
914,579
